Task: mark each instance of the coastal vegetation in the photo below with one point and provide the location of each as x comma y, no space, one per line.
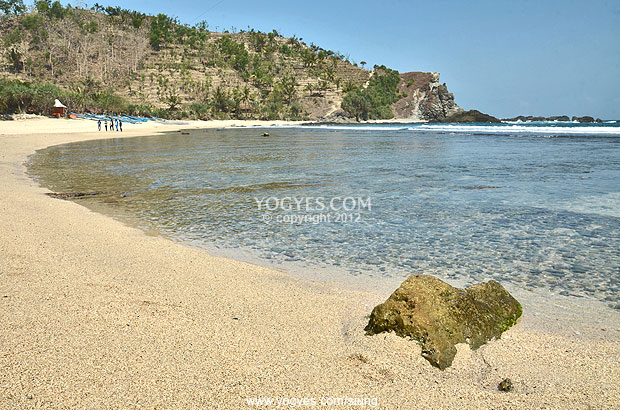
18,96
110,59
374,101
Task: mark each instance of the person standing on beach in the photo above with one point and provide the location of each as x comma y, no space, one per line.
120,124
99,125
117,124
106,124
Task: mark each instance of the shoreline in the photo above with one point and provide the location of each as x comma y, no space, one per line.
94,311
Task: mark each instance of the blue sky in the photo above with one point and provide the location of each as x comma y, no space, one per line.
531,57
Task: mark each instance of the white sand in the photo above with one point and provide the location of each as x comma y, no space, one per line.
96,314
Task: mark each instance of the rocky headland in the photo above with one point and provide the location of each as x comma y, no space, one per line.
425,99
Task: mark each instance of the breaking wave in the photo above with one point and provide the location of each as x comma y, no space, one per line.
542,128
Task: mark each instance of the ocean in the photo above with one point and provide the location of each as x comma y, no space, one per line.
532,205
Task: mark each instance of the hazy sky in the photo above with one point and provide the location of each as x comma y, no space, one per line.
543,57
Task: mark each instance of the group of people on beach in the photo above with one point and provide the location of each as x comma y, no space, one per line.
113,122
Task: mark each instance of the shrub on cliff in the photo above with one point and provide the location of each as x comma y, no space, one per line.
374,102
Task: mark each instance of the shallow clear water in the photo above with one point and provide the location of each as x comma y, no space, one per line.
531,207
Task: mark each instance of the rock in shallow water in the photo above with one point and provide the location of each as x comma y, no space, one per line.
439,316
70,195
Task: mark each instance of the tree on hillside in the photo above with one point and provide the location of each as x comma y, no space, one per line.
12,6
161,27
15,49
246,97
98,8
221,100
42,6
374,102
308,57
289,87
356,104
57,11
52,10
173,100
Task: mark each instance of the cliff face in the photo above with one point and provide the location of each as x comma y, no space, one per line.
426,99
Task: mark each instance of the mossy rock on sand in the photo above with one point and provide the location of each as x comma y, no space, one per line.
439,316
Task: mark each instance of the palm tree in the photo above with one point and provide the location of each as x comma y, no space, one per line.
246,96
220,100
289,84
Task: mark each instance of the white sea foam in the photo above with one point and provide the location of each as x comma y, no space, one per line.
503,128
521,129
395,127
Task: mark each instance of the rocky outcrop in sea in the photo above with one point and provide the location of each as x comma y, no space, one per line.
566,118
469,116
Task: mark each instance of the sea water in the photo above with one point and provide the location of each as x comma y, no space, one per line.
533,205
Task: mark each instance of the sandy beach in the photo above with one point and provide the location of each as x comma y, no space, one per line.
97,314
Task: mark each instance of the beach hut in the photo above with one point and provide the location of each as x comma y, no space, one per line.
59,108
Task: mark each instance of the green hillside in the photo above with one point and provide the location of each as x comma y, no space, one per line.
116,60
